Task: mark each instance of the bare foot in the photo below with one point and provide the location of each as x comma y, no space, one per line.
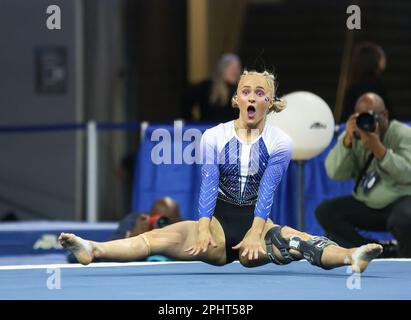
82,249
361,257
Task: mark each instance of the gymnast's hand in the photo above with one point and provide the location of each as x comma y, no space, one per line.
204,238
251,245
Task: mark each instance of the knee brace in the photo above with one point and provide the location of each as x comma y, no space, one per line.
311,249
273,237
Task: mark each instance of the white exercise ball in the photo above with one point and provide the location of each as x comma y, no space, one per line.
309,122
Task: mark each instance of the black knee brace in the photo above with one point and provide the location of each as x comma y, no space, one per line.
312,249
273,237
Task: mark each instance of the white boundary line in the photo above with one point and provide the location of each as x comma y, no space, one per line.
132,264
393,259
93,265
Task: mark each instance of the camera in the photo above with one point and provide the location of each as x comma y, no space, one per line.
367,121
157,220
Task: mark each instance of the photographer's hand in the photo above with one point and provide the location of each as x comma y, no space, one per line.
351,127
141,225
371,141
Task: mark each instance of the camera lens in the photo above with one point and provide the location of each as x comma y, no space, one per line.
367,121
162,222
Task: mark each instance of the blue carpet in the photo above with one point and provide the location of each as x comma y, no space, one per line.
384,279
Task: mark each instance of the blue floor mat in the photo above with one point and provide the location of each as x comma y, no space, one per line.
384,279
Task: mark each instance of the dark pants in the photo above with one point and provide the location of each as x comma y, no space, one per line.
342,217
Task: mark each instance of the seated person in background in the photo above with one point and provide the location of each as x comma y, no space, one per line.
377,154
165,211
213,97
365,75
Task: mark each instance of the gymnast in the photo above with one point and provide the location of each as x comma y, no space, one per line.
243,163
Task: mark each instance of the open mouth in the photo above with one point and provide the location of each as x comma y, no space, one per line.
251,111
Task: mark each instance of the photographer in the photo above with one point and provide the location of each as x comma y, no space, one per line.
376,153
164,211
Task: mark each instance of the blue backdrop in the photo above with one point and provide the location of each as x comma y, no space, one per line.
182,182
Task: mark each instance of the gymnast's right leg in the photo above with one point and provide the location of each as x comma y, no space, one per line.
170,241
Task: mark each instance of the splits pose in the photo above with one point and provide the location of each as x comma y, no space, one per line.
243,163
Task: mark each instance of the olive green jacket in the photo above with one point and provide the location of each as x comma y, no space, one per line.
394,169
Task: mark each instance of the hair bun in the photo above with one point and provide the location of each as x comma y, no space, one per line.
279,105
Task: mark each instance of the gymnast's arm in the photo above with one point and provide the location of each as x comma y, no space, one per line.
210,175
207,203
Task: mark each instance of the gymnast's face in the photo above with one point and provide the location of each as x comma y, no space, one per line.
254,98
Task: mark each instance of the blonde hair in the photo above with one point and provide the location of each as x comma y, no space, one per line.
278,104
219,89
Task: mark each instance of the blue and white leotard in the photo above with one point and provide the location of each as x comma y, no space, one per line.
242,173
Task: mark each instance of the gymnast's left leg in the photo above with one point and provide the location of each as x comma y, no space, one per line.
285,245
